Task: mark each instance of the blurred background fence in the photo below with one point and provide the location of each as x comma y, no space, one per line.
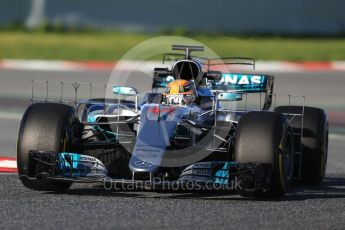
281,17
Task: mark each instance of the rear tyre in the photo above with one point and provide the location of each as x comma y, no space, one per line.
314,141
265,138
45,127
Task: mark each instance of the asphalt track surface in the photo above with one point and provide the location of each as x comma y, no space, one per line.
89,206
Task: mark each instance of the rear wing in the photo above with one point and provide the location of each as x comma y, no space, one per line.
245,83
238,82
229,82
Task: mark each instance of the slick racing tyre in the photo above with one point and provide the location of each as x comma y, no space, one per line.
314,141
44,128
265,139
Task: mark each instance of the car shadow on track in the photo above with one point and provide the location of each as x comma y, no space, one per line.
330,188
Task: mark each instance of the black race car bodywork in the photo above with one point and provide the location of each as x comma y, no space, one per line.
153,143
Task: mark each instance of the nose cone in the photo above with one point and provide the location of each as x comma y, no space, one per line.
157,126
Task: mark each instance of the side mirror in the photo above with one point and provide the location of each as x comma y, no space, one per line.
124,90
214,75
225,96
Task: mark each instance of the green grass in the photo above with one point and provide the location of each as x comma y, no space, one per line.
112,45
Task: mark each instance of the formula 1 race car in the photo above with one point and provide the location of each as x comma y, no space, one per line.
189,132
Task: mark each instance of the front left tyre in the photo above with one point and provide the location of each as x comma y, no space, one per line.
266,139
314,141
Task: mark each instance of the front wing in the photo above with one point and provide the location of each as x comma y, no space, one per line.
73,167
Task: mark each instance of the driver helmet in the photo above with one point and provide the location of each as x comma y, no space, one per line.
180,92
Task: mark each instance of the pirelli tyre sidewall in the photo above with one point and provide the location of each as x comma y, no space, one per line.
266,138
44,127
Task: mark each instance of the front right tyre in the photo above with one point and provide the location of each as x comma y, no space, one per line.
44,127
